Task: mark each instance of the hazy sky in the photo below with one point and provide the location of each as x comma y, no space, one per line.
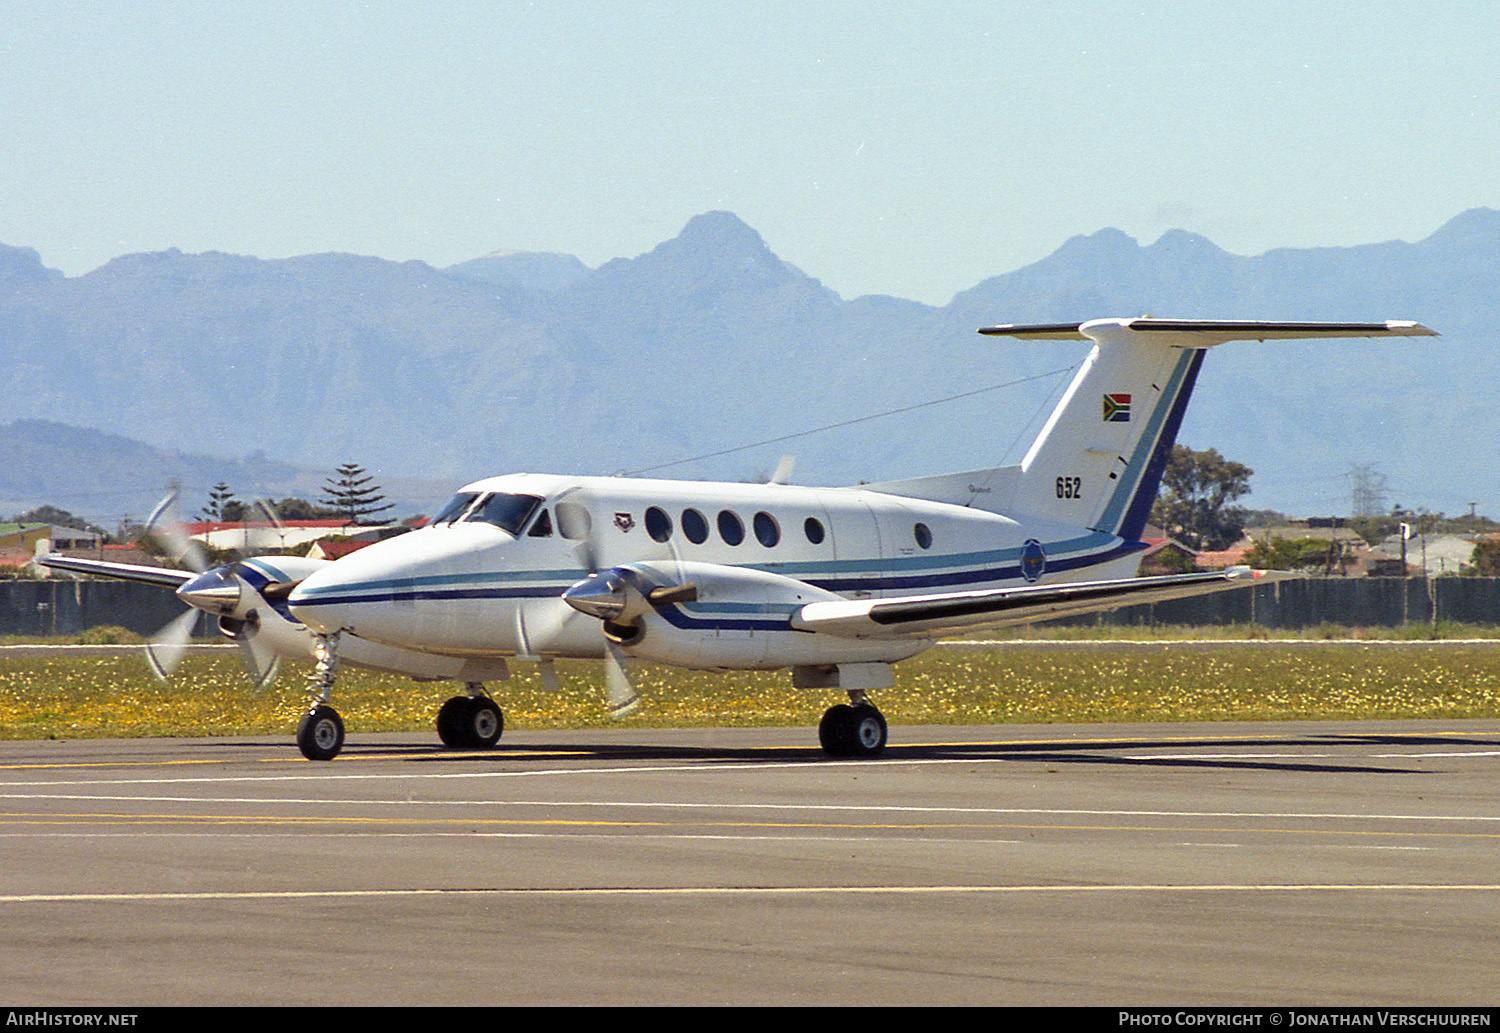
900,148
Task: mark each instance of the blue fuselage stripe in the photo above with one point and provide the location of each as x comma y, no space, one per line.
499,586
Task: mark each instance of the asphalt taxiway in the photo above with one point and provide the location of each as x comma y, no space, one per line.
1339,863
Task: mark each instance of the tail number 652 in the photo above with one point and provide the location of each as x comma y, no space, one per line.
1070,487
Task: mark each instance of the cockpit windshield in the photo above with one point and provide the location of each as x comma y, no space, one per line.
455,508
507,512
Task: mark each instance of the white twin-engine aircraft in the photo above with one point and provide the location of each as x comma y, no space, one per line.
835,583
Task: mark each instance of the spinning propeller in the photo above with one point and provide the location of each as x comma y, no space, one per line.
618,597
220,591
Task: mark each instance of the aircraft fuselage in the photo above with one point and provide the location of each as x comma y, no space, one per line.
466,586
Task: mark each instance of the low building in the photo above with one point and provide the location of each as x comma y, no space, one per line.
1166,556
332,550
252,538
1432,554
24,537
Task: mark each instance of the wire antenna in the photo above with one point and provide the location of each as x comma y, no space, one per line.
848,423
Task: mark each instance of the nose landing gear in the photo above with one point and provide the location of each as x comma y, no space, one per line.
320,733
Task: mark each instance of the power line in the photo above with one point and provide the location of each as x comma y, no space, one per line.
848,423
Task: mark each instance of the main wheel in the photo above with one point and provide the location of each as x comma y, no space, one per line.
866,731
450,721
833,730
320,733
483,723
847,731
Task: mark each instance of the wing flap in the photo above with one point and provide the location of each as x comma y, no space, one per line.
930,615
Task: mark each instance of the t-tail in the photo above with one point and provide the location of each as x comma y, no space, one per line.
1098,461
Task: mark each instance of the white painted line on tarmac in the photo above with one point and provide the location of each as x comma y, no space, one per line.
763,805
743,891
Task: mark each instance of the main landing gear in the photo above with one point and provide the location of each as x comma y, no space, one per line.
471,722
853,729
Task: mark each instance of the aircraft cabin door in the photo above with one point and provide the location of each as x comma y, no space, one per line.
857,549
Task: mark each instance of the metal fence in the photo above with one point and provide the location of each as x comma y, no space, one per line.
65,607
1308,602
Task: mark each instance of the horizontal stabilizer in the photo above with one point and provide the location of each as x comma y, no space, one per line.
1203,333
929,616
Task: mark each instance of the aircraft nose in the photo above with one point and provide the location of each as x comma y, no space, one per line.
321,602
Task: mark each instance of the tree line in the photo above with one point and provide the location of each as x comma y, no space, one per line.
350,495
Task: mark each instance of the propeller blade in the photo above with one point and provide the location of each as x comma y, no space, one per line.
540,627
268,512
165,524
575,522
548,670
165,650
261,663
620,693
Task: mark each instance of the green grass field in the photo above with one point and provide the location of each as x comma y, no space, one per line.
74,696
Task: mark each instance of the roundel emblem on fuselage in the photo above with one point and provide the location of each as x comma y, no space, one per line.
1033,559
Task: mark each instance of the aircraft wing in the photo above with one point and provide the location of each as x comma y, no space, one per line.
168,576
927,616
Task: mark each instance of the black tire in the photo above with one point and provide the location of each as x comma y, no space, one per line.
866,732
834,730
320,733
483,723
450,722
847,731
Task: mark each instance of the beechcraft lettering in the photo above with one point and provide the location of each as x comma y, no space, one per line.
834,584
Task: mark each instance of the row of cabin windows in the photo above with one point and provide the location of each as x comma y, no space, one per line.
732,529
511,512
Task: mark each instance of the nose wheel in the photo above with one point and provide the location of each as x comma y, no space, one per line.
320,733
472,722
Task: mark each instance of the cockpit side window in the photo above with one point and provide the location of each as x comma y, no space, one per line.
573,521
455,507
507,512
541,527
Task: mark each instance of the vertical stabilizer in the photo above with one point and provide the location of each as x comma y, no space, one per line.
1098,462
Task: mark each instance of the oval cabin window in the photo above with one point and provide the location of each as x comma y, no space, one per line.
767,530
658,524
731,527
694,526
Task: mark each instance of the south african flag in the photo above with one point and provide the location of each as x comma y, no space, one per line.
1116,408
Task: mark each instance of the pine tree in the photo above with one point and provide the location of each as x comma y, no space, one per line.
220,502
352,494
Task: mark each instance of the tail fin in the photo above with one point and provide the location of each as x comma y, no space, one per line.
1098,461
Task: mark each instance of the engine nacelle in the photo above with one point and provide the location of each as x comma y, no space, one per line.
740,619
